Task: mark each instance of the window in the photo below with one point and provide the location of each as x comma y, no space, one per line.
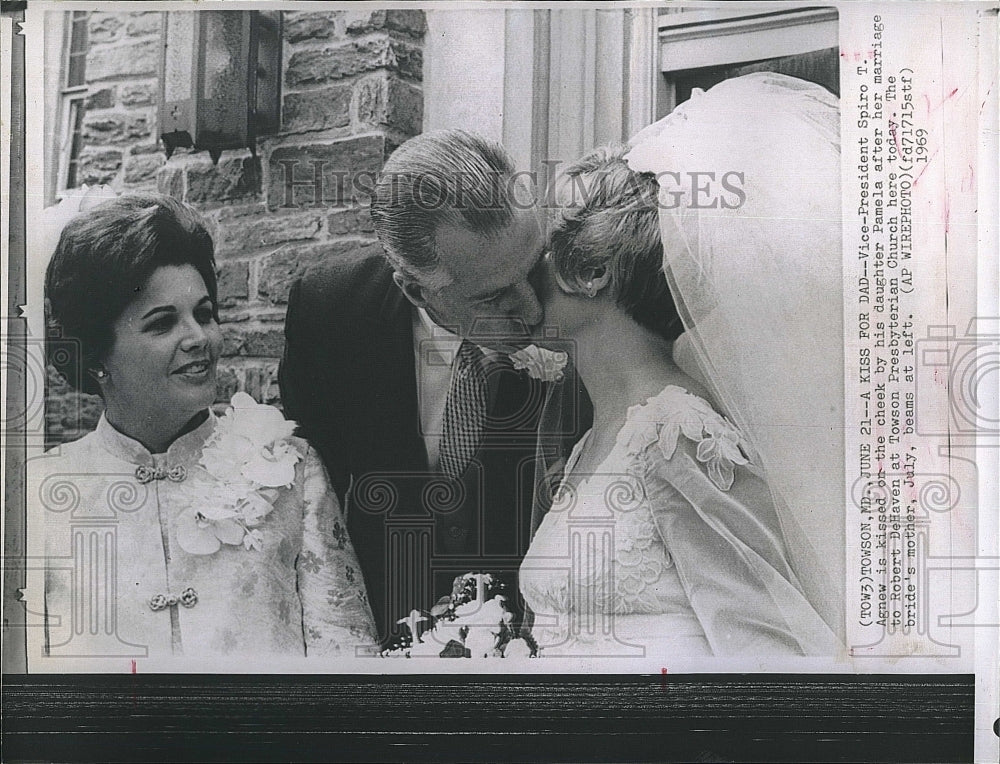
73,109
700,48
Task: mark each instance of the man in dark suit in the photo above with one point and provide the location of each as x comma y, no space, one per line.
396,369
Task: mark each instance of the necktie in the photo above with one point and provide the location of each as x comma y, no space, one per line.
464,411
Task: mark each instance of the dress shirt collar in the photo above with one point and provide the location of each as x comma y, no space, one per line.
445,342
181,451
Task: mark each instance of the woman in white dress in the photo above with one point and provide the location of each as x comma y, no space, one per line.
170,531
666,536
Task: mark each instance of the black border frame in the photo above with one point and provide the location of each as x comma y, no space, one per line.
723,717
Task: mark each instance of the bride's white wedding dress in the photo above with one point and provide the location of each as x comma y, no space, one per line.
671,548
747,556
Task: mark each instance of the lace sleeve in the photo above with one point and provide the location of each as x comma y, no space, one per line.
717,521
336,616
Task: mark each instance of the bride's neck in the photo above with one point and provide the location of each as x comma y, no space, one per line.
623,364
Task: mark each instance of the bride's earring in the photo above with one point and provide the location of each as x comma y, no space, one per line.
591,292
99,374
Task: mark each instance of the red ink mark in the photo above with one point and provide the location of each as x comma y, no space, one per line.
133,665
663,679
927,100
968,179
926,165
895,138
859,55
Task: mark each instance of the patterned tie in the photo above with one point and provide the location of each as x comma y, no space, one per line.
464,411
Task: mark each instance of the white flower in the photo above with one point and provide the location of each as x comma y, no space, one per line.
199,534
247,460
272,466
489,613
546,365
263,425
251,444
225,457
721,450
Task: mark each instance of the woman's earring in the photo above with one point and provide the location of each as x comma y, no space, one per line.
591,292
99,374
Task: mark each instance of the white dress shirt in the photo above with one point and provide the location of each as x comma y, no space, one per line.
434,351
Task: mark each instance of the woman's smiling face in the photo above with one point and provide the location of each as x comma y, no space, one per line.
162,364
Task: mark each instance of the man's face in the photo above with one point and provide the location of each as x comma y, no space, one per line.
492,297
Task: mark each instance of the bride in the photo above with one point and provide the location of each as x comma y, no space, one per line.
682,525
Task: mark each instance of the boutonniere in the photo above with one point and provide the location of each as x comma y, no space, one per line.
546,365
244,464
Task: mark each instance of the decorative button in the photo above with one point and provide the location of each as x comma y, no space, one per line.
145,474
187,598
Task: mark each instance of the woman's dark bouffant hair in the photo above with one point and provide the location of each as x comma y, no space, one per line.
103,259
606,216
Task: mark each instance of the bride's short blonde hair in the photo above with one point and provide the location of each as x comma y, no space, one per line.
602,214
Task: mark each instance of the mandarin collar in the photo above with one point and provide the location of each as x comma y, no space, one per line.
181,451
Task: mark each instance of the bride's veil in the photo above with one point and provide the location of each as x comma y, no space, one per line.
749,176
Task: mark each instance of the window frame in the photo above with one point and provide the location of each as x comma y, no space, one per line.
72,99
695,39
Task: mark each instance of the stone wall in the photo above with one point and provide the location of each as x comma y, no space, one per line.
351,93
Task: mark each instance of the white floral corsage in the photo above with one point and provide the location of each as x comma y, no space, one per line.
247,460
546,365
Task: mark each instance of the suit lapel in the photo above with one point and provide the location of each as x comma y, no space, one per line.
391,416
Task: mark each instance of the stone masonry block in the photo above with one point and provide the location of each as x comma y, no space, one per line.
351,220
234,278
233,178
306,25
170,181
331,174
104,27
406,107
143,23
317,109
280,270
138,93
100,99
133,60
390,102
103,128
144,167
266,229
310,67
99,166
409,21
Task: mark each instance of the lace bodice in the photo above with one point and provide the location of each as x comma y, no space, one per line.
673,543
599,547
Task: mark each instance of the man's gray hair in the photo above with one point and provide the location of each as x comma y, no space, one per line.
445,176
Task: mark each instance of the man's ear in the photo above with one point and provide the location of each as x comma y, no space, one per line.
411,288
